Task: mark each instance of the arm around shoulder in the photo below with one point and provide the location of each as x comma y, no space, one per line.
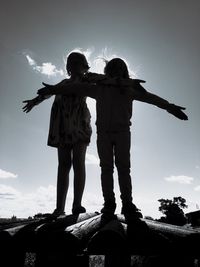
79,89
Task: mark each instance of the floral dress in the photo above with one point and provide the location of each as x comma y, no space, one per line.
69,121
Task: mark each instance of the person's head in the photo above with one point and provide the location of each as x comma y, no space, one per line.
116,67
76,64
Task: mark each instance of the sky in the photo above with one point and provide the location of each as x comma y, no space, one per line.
160,42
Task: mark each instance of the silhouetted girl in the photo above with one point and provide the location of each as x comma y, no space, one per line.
70,133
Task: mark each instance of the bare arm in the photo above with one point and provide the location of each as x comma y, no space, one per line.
89,87
33,102
80,89
37,100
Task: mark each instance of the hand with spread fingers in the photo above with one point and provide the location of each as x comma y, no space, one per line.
34,102
177,111
29,105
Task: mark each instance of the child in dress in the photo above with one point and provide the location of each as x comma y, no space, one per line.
70,133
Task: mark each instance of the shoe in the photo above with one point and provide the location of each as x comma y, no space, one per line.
58,213
109,207
78,209
131,212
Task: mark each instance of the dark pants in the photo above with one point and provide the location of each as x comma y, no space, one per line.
115,147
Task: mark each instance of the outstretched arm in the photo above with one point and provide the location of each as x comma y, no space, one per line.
162,103
139,93
33,102
38,99
177,111
80,89
89,87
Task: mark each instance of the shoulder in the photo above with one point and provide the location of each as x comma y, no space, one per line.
64,81
138,86
93,77
138,81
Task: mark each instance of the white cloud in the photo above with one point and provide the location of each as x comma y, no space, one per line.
6,174
46,68
8,192
30,60
13,202
181,179
91,159
42,200
96,61
197,188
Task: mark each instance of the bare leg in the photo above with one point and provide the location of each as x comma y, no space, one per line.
79,152
64,165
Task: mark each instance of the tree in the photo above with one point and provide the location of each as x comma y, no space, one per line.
38,216
13,218
173,210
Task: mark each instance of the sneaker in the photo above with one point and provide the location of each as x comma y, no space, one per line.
130,211
109,207
78,209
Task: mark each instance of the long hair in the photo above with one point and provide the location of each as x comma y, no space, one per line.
116,67
74,60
